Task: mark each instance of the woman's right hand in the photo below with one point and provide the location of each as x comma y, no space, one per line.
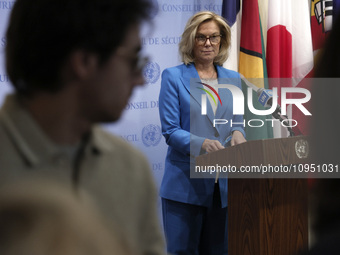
211,145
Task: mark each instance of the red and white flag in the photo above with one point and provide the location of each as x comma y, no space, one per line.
289,49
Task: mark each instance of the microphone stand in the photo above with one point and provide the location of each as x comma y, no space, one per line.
283,118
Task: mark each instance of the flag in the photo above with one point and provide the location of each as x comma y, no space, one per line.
231,12
289,50
321,23
252,66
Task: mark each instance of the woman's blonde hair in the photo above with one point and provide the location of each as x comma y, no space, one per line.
187,43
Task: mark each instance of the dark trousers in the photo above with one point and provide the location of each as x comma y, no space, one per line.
196,230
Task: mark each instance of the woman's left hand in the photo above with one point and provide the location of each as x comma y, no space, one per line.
237,138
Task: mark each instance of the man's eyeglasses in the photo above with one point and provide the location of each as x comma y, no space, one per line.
214,39
140,63
137,62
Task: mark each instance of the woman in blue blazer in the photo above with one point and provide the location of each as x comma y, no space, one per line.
195,209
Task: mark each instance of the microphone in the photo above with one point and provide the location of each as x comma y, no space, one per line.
265,98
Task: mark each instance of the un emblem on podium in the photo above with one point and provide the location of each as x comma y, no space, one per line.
302,148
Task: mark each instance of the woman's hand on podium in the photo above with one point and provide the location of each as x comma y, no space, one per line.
211,145
237,138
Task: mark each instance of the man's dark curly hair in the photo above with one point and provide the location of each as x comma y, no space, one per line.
42,33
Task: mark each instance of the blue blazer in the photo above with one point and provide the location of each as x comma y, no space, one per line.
180,106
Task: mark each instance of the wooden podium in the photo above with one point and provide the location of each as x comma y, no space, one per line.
267,216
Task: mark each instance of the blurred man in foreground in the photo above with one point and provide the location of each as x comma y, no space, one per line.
75,63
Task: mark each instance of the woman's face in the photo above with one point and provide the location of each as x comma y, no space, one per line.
206,52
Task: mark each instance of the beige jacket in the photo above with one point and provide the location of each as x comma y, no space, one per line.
115,174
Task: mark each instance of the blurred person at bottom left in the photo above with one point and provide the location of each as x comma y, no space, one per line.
42,217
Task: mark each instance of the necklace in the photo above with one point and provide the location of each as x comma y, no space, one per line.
208,77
